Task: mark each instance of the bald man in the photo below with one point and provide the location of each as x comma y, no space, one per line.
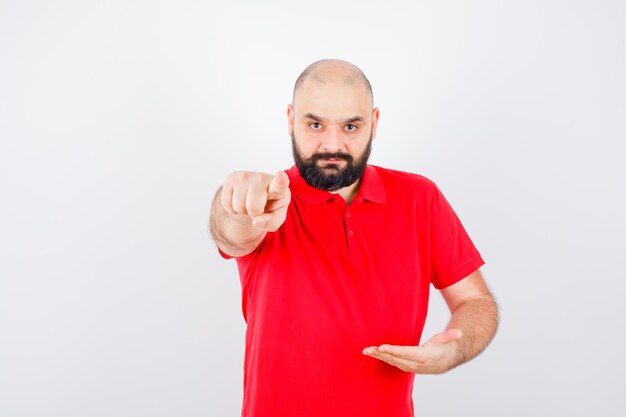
336,258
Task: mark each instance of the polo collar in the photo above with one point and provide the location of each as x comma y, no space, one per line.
371,187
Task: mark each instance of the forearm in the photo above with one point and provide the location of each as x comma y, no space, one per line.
478,320
234,234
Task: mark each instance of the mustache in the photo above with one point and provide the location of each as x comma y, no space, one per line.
327,155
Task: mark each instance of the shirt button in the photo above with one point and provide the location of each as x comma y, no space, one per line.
348,214
350,232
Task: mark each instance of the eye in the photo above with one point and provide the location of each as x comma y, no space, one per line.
352,130
314,123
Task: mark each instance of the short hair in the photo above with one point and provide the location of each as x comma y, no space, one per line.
313,70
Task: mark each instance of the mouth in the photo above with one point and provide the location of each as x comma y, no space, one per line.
332,164
332,160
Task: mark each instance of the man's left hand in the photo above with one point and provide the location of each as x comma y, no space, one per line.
436,356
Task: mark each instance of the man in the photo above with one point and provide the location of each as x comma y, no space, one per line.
336,258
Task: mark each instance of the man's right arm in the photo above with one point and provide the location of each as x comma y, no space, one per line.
246,207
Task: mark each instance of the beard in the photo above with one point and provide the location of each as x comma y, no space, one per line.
330,177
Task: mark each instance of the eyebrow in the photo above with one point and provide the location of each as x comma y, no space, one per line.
321,119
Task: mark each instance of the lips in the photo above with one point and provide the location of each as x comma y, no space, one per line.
335,160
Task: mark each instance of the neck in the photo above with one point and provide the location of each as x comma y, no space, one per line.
348,193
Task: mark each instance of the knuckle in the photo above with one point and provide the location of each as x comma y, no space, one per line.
253,178
239,207
224,195
233,177
254,207
239,176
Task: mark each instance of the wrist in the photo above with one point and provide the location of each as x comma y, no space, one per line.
456,354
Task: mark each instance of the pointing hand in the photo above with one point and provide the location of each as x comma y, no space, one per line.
257,197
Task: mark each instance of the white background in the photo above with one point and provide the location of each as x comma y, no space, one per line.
119,120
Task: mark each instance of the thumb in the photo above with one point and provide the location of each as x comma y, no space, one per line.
279,185
268,221
261,221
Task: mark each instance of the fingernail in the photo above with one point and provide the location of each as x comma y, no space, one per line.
262,223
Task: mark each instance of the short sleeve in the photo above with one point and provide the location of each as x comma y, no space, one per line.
453,254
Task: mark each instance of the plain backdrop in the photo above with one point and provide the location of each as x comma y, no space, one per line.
120,119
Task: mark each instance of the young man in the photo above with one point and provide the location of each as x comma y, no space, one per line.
336,258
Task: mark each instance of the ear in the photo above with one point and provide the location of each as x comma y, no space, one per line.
375,116
290,119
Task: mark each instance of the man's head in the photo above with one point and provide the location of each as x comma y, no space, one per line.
332,123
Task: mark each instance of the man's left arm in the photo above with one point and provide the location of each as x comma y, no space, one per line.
472,327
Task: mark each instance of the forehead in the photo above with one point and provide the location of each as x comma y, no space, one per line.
332,100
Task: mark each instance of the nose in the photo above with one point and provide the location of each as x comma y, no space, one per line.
332,140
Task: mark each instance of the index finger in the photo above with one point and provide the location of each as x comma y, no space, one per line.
279,185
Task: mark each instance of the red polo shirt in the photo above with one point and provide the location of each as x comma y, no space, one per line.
334,279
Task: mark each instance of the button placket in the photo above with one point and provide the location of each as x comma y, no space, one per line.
349,225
